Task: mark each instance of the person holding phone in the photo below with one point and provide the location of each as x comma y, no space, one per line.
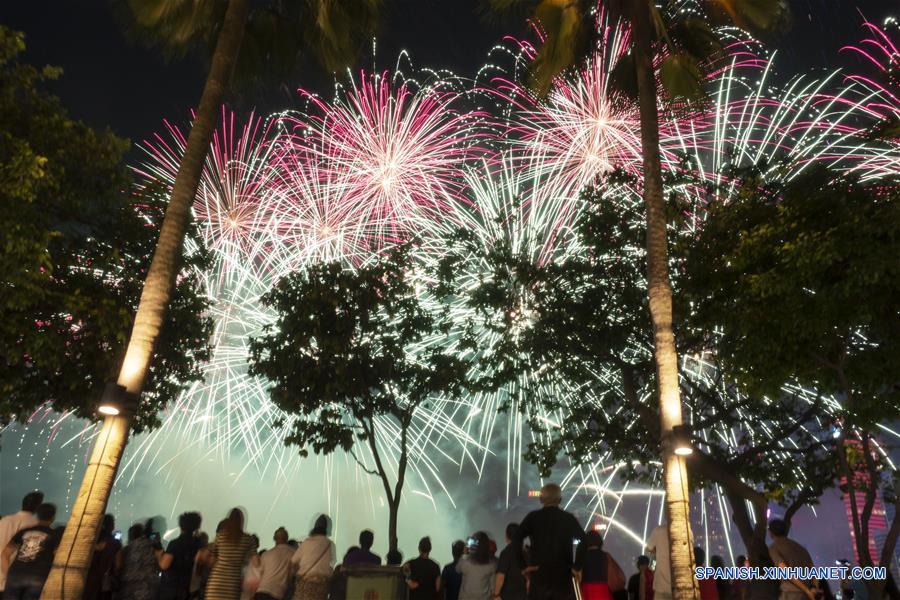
477,568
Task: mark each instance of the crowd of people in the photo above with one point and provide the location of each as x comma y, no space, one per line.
537,562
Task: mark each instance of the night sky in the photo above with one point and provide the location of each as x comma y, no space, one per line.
110,81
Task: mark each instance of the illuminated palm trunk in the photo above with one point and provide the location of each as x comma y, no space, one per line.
684,585
73,557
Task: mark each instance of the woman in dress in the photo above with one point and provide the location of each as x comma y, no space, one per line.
477,569
138,566
228,554
598,574
313,563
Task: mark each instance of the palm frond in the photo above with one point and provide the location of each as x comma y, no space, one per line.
754,15
176,25
337,29
680,76
562,23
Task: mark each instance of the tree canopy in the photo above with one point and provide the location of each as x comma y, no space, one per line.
346,351
588,338
802,280
77,239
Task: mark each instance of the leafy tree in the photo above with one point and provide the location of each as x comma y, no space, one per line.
672,43
345,354
802,280
588,333
272,33
74,252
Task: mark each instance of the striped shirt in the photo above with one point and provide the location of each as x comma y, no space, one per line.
227,573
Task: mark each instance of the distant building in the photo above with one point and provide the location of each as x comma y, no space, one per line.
880,519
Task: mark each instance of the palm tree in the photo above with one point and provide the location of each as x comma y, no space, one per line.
683,45
272,37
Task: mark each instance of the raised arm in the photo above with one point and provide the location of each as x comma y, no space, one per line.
6,557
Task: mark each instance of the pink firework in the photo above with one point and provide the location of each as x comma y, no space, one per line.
312,216
396,152
882,51
237,173
583,130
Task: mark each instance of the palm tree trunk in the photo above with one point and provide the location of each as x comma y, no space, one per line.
684,585
73,557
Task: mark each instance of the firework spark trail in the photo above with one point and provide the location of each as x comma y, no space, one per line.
580,133
326,200
389,158
396,150
294,198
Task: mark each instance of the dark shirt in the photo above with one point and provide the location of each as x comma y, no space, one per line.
35,554
634,587
361,556
102,564
552,531
593,564
425,572
183,549
451,581
513,580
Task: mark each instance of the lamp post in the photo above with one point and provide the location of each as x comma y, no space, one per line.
681,440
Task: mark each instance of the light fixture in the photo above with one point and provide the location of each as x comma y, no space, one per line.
681,440
112,402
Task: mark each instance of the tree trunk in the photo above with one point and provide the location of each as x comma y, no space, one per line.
684,585
393,510
73,557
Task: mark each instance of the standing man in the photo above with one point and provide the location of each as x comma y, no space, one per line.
363,555
12,524
424,580
553,532
509,583
33,548
658,547
785,552
640,585
177,562
451,580
275,568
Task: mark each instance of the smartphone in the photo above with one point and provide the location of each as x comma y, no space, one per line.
117,535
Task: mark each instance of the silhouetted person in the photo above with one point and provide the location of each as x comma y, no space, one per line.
785,552
314,562
227,555
394,558
177,562
509,582
477,568
723,586
552,532
708,590
451,580
12,524
138,566
34,547
275,568
658,547
363,555
640,585
98,585
424,579
596,571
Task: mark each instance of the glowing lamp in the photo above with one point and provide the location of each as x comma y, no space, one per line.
114,400
681,440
